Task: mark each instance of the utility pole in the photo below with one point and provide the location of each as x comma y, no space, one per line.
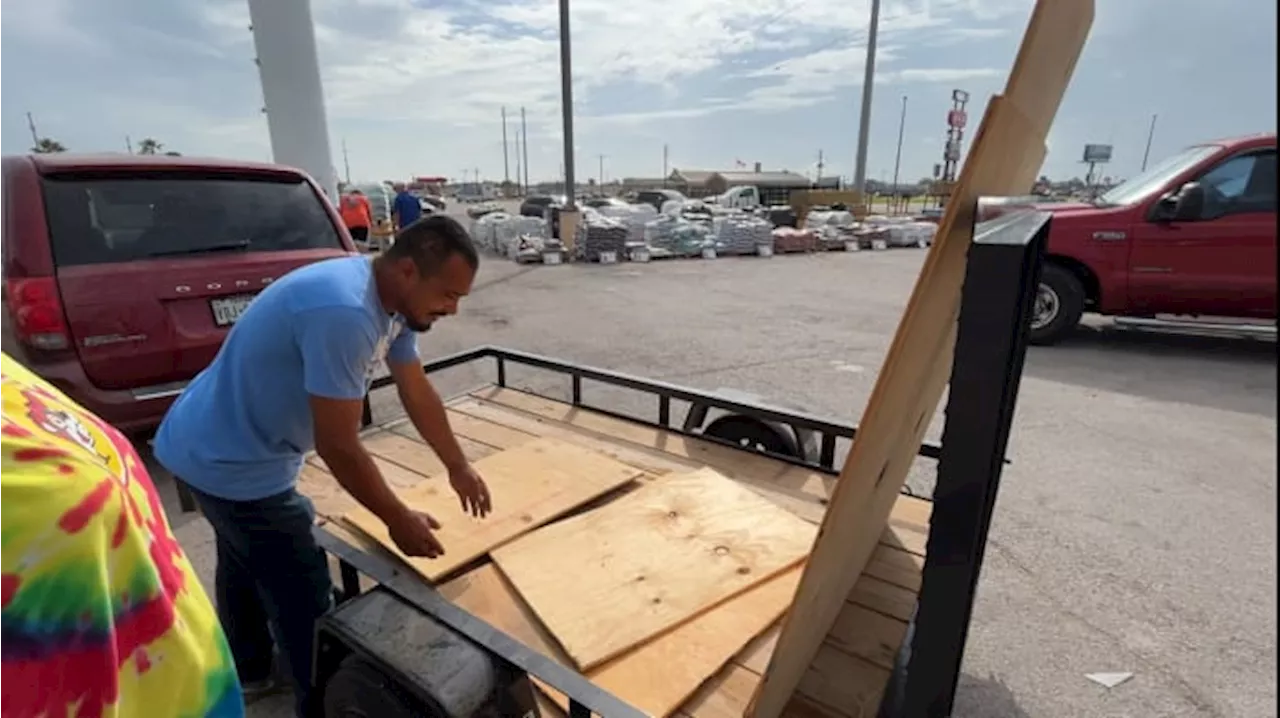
868,79
35,136
346,161
664,166
506,167
601,179
897,158
524,131
519,184
128,145
566,104
820,166
1146,154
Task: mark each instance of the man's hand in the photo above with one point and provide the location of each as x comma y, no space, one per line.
412,532
471,490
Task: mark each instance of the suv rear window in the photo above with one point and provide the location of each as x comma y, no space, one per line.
105,220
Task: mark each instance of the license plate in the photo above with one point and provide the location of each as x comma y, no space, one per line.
226,310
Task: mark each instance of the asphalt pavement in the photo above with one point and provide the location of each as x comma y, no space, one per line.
1136,526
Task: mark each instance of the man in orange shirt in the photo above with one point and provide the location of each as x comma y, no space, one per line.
357,215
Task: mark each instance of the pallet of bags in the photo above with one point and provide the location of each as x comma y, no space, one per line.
509,230
532,248
484,231
911,234
599,235
741,234
834,228
787,240
633,217
669,236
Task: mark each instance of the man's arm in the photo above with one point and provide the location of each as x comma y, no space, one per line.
336,347
426,411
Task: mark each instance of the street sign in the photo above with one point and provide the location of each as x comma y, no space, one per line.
1097,153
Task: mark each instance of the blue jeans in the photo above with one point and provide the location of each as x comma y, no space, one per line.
272,579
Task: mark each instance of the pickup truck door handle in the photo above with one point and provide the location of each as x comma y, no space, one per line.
1153,270
1110,236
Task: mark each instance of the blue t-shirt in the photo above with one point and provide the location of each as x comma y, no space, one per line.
240,429
407,208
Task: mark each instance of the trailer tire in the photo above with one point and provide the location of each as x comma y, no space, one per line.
357,689
1059,304
752,433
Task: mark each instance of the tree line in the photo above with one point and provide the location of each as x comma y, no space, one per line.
146,146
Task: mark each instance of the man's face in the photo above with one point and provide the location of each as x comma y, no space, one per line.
426,299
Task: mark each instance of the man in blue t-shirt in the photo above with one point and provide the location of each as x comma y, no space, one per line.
406,208
292,375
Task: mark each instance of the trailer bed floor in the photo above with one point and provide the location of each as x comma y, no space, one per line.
849,674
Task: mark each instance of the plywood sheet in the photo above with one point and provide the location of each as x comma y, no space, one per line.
530,485
1006,152
650,561
656,677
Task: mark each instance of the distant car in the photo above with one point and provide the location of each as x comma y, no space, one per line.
599,202
436,202
657,197
536,205
122,274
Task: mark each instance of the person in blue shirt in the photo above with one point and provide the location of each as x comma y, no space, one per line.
292,375
406,209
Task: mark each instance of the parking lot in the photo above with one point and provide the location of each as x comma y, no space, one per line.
1135,530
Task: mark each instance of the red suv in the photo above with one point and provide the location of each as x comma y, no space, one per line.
123,274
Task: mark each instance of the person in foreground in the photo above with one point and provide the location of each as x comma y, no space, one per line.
102,613
292,374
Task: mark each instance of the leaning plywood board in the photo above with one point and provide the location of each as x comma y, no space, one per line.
650,561
530,485
1006,153
656,677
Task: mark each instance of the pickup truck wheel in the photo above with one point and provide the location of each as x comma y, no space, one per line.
1058,306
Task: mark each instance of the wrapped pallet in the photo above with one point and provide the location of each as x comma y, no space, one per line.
600,235
741,234
786,240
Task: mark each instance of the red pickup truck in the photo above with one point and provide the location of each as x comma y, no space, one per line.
1193,235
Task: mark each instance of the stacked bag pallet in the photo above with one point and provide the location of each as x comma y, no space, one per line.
789,239
599,236
904,231
511,236
741,234
834,228
674,236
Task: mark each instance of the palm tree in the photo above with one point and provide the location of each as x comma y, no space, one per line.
48,145
149,146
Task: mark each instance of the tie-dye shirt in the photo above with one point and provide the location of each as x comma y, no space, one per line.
102,613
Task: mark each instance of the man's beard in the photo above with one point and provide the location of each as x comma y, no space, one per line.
419,327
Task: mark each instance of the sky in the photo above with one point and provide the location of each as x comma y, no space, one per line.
417,88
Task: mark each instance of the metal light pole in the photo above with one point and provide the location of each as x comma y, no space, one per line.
1146,154
506,166
524,149
864,127
566,104
897,158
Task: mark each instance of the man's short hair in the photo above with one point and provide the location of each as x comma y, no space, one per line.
430,241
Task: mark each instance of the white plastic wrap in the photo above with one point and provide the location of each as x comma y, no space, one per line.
741,234
501,233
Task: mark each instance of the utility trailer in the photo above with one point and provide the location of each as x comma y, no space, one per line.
877,622
397,646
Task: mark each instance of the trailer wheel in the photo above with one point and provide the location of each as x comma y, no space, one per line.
752,433
1058,306
357,689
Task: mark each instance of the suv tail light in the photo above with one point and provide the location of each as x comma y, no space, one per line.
37,313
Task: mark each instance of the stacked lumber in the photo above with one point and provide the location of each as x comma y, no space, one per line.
1007,152
649,587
